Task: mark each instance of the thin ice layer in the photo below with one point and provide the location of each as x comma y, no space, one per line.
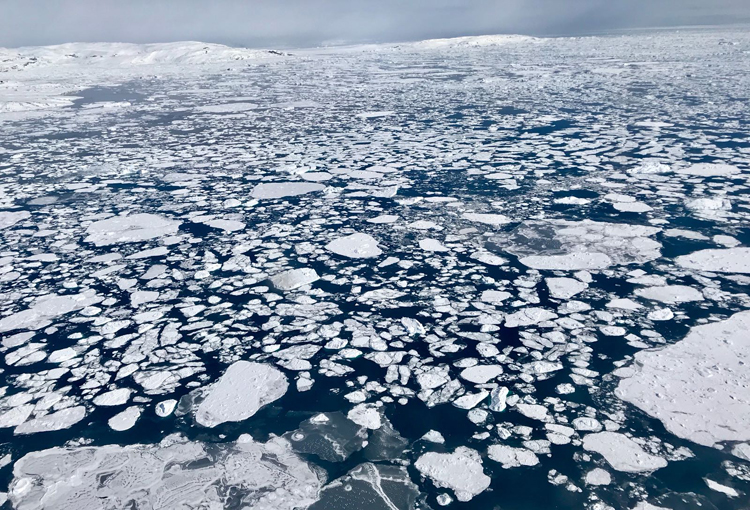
173,474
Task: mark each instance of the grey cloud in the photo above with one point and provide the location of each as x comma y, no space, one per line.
289,23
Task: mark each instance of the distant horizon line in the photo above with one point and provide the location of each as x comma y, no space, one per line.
345,44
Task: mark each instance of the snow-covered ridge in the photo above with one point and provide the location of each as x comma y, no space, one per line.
126,54
473,41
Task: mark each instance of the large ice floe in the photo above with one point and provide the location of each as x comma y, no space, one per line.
567,245
130,229
244,388
174,474
460,471
697,387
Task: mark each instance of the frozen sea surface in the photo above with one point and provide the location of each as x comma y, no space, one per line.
485,273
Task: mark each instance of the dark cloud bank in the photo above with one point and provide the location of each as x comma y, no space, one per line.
290,23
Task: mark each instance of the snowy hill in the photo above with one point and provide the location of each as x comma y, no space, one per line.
126,55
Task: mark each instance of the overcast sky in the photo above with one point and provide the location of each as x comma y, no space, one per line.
295,23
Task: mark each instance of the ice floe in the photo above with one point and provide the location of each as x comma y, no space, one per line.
460,471
241,391
622,453
130,229
176,473
697,386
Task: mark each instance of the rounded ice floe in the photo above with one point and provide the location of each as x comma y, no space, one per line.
460,471
709,170
632,207
165,408
511,457
697,387
244,388
622,453
670,294
528,317
294,278
495,296
729,260
271,190
598,476
125,420
384,218
564,288
355,246
210,475
130,229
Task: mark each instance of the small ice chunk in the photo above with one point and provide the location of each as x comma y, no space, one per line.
564,288
366,415
165,408
716,486
598,476
487,219
432,245
481,374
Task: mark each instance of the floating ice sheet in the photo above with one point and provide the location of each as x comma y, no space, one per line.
697,387
174,474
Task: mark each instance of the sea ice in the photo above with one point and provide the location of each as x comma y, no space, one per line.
355,246
58,420
697,387
174,474
130,229
460,471
270,190
244,388
511,457
46,308
622,453
729,260
671,294
294,278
